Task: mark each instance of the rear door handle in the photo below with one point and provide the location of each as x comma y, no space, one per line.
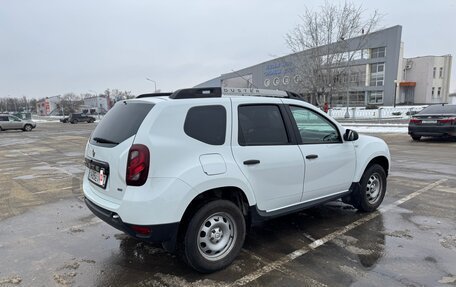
251,161
311,156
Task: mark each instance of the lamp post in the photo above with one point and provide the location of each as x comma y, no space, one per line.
155,84
395,91
347,113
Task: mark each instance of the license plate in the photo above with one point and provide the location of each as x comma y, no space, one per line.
99,178
430,122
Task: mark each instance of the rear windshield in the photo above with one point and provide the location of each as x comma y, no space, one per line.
438,109
120,123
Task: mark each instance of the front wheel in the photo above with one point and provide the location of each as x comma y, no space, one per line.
214,236
28,128
372,189
415,137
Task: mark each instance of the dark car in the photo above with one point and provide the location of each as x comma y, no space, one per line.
433,121
77,118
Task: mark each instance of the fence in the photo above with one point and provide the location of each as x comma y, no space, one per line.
380,113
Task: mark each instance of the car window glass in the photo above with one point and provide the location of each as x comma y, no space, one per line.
121,122
261,125
3,118
14,119
438,109
313,127
206,124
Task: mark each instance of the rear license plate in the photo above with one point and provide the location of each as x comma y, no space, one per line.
429,122
99,178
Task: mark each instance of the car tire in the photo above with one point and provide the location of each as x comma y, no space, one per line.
28,128
74,121
415,137
214,236
372,189
91,121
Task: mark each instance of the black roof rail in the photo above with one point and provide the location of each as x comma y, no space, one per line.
154,95
197,93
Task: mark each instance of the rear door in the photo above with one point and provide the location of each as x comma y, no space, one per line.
108,147
266,153
329,161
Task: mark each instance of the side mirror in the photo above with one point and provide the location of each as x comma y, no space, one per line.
350,135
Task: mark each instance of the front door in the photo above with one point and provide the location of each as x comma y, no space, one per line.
267,155
329,161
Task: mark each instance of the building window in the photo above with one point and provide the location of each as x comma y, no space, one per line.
439,90
377,53
441,73
433,72
377,74
375,97
433,92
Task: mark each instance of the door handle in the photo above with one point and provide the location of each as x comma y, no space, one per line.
311,156
251,161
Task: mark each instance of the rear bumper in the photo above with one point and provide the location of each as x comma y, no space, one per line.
159,232
432,130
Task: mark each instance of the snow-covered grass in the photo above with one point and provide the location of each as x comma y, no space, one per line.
378,129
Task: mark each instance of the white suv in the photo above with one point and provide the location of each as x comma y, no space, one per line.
196,168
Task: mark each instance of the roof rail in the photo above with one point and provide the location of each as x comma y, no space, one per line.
154,95
217,92
197,93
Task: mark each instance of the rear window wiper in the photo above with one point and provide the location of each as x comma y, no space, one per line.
102,140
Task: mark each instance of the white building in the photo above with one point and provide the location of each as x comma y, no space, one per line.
96,105
425,80
452,98
48,105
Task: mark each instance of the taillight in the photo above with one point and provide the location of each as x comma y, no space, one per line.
138,165
139,229
450,121
415,121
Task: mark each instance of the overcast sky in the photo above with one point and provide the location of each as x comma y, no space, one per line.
51,47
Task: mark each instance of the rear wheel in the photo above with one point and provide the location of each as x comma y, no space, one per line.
74,121
372,189
214,236
28,128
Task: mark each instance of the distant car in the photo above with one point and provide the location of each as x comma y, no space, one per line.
77,118
433,121
9,122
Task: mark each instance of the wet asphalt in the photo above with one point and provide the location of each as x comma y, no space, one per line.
49,238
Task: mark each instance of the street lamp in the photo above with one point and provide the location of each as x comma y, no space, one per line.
395,91
155,84
347,113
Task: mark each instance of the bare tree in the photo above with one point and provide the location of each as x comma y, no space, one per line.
322,53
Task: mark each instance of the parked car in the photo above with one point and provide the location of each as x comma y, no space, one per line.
9,122
195,169
433,121
78,118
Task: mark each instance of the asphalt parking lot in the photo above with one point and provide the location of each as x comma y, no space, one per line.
49,238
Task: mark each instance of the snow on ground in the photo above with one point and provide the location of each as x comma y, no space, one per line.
377,129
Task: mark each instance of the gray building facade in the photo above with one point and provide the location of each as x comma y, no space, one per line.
373,71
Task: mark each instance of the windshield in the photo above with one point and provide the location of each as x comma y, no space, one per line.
120,123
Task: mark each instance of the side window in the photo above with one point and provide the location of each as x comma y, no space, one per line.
206,124
313,127
261,125
14,119
3,118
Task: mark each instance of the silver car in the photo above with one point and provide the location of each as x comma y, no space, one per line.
9,122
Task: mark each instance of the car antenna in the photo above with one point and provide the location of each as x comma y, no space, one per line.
242,77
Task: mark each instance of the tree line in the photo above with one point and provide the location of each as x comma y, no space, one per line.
69,102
